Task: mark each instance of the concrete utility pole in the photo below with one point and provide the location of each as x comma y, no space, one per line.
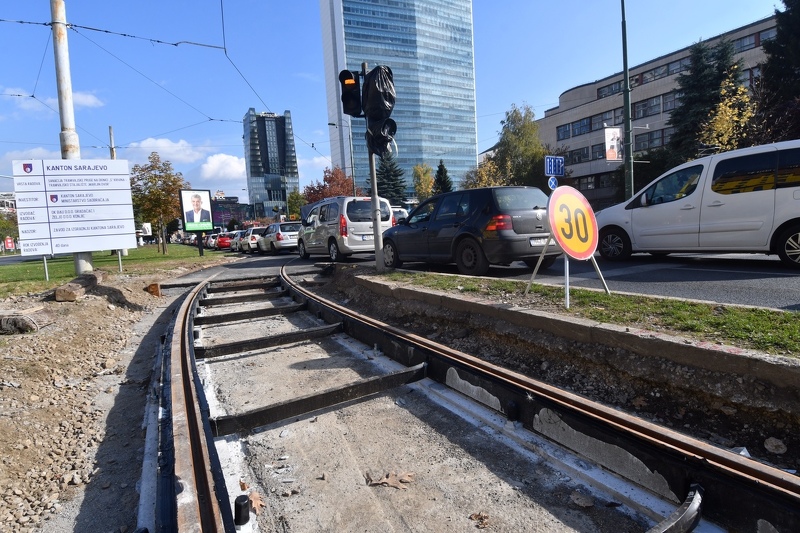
626,110
70,147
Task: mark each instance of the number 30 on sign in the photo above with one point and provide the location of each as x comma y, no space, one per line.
572,222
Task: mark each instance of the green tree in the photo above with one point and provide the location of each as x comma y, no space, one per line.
441,182
294,202
777,93
389,180
423,181
334,183
701,92
520,152
155,190
8,227
485,175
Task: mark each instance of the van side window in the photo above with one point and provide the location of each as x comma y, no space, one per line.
333,212
789,168
747,173
674,186
312,216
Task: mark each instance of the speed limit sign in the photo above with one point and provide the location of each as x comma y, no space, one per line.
572,222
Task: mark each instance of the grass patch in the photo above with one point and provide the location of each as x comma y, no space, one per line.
29,276
774,332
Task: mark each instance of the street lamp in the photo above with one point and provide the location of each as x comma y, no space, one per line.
350,141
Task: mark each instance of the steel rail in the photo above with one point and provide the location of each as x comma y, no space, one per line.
738,491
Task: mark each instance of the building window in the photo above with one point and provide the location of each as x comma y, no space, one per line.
670,100
667,135
744,43
606,180
767,35
577,156
609,90
640,142
645,141
580,127
598,121
647,108
619,116
598,151
586,183
562,132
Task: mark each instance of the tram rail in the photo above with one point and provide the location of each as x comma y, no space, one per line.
729,490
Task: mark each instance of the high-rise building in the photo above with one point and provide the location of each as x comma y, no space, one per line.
271,161
428,45
584,113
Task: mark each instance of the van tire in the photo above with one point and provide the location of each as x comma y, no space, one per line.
470,258
789,246
615,244
333,251
301,250
390,257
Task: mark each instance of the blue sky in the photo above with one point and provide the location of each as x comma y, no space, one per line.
186,101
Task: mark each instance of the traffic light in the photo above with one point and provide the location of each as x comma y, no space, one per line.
378,98
351,93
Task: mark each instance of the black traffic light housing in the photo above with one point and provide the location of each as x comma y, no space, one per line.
351,93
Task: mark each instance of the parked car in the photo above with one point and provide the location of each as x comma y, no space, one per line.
744,200
236,237
340,226
475,228
249,240
223,241
279,236
399,212
211,240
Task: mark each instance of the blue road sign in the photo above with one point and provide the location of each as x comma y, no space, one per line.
553,165
552,182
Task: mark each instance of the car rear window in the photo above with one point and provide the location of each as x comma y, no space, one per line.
520,198
361,211
287,228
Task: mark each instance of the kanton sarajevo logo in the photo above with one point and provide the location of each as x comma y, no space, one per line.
54,198
27,167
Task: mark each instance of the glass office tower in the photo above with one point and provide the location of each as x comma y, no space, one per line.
428,46
271,161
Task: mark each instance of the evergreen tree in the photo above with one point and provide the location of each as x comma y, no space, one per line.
778,92
441,182
701,92
389,178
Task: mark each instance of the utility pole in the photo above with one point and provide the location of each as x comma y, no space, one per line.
70,146
626,110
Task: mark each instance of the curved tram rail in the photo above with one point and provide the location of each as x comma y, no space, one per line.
729,490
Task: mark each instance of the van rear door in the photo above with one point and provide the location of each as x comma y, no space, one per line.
739,203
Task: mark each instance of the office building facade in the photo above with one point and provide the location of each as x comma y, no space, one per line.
271,161
428,44
584,113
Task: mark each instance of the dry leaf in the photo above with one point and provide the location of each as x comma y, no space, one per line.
392,479
242,485
481,518
256,503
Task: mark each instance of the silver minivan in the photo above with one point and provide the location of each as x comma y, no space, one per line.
745,200
340,226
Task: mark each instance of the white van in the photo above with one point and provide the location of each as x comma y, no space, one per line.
341,226
744,200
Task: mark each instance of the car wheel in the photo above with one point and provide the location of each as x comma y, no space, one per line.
333,251
615,244
301,250
470,258
789,247
547,262
390,257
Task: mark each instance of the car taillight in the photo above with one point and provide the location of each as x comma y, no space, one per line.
342,226
499,222
279,236
394,222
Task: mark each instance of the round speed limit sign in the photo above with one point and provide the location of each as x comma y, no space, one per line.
572,222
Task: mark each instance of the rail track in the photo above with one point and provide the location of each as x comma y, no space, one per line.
267,372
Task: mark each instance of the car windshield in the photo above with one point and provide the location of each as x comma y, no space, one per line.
514,198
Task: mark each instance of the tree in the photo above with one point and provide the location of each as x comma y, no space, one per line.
777,93
334,183
8,226
441,182
485,175
294,202
728,125
155,190
520,152
389,180
701,92
423,181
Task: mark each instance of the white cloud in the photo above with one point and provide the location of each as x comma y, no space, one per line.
221,167
174,152
24,101
311,170
82,99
